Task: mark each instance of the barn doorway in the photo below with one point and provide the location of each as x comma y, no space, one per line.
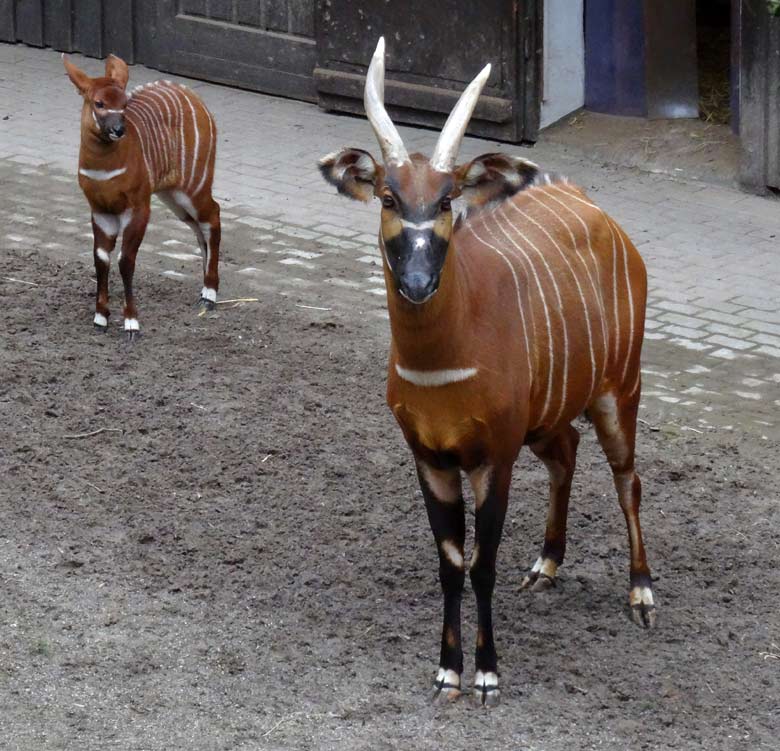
714,60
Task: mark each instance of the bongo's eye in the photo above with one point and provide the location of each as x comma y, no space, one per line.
388,202
99,104
446,204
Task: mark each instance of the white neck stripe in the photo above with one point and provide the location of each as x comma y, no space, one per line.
101,174
435,377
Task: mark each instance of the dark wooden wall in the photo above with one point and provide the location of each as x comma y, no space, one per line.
94,27
759,96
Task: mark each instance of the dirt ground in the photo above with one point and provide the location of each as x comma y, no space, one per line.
241,560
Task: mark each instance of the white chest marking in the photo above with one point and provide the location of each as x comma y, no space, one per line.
101,174
435,377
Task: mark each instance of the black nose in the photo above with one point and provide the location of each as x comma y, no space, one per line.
418,286
118,130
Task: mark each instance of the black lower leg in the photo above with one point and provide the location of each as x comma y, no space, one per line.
447,519
489,525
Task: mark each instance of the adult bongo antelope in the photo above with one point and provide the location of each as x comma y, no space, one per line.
159,139
506,325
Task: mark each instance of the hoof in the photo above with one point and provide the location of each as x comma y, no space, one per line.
486,691
541,577
446,687
132,336
100,323
205,304
643,612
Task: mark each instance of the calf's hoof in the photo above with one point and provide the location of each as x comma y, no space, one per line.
204,304
100,323
643,612
541,577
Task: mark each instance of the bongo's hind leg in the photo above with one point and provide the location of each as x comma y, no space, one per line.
559,454
614,417
211,230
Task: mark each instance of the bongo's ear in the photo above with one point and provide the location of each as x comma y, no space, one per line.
492,177
77,76
116,70
354,172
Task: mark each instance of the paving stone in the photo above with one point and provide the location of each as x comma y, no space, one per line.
727,341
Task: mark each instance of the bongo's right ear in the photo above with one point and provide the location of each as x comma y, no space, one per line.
77,76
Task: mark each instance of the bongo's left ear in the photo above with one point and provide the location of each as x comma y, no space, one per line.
493,176
116,70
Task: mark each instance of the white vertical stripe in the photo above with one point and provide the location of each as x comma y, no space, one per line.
208,155
585,308
519,298
175,93
565,383
196,136
598,298
550,352
157,95
574,196
130,117
596,265
630,300
148,115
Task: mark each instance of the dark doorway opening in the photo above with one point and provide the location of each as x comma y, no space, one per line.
713,30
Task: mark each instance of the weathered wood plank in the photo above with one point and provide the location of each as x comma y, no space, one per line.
753,95
276,15
118,30
58,24
221,10
7,25
29,22
88,27
301,17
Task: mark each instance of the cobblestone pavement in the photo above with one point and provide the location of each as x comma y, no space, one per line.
712,354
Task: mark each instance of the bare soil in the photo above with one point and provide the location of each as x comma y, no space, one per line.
241,560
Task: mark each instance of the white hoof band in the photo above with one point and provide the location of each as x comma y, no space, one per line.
641,596
485,681
131,324
207,293
101,320
446,679
546,567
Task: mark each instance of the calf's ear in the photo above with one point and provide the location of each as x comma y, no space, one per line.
116,70
354,172
77,76
493,177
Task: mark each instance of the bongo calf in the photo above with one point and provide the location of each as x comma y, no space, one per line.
160,139
505,326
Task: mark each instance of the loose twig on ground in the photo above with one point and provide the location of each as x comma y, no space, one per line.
310,307
94,432
20,281
238,299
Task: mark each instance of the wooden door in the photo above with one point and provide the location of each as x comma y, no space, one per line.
265,45
434,48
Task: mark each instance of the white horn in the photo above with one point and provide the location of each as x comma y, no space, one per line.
448,145
393,149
